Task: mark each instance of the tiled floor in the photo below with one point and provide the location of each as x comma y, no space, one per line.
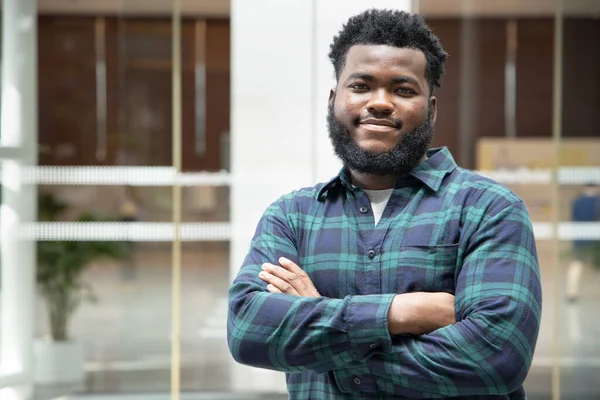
127,346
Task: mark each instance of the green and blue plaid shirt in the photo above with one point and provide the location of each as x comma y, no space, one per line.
443,229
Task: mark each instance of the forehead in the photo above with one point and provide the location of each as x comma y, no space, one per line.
382,59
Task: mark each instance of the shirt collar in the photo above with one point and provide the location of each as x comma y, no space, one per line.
431,172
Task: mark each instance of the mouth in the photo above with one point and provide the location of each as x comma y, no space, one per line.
378,125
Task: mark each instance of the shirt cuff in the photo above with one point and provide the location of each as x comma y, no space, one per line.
367,320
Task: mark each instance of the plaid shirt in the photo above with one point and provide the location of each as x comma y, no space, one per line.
443,229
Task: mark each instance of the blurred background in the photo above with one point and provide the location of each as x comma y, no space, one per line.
142,139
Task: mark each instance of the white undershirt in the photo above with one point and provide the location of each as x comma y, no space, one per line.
379,199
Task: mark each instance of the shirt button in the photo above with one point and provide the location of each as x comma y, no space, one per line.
357,381
371,254
364,209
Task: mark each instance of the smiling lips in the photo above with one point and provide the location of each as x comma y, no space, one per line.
378,125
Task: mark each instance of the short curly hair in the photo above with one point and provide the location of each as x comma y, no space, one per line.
392,28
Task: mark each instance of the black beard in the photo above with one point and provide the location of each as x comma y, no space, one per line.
401,159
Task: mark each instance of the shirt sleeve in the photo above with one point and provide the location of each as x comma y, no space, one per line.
288,333
498,309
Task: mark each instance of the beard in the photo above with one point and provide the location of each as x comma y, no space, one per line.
401,159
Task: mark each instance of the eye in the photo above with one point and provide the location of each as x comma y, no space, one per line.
359,87
405,91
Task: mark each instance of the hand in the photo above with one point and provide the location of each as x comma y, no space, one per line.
419,313
288,278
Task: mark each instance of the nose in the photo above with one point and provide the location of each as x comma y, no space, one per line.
380,102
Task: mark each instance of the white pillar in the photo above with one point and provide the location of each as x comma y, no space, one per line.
272,119
281,77
19,130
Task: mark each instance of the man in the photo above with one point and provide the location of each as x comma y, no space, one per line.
404,276
585,208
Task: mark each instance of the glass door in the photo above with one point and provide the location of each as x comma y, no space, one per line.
121,197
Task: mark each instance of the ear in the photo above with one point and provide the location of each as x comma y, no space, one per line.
433,102
331,96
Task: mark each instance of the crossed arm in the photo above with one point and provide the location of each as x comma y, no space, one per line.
410,313
488,351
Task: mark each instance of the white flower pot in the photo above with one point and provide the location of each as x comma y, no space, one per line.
57,362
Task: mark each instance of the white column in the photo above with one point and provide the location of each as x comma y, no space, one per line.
271,108
19,130
281,77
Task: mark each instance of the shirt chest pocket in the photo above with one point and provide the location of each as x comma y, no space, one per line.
427,268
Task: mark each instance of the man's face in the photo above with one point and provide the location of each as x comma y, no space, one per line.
381,115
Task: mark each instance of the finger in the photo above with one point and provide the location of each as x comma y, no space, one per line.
282,273
304,285
292,267
273,289
279,283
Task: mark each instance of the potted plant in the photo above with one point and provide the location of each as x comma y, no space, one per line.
60,266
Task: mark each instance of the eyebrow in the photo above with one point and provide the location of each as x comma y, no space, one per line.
371,78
